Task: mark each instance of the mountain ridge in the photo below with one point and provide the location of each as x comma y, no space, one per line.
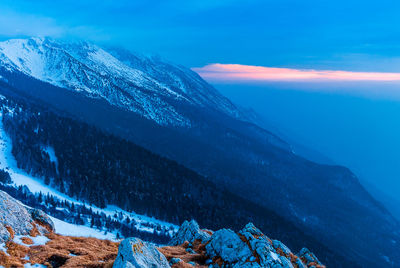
86,67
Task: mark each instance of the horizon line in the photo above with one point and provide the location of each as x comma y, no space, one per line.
218,72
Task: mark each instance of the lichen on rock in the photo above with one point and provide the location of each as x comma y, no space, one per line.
133,252
16,218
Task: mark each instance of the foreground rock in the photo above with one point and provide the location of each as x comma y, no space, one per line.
28,240
133,252
190,231
16,219
225,248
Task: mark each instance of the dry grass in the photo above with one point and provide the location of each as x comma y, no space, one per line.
16,250
182,264
26,240
43,225
15,256
61,251
9,261
35,231
11,231
180,252
66,251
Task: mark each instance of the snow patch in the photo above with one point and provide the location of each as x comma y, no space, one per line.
69,229
50,151
39,240
4,249
275,256
28,265
52,154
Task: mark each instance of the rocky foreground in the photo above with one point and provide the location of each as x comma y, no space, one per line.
27,237
192,246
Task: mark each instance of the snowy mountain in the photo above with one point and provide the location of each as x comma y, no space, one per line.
148,86
162,127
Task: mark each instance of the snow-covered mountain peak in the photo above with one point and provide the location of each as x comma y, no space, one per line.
149,86
24,54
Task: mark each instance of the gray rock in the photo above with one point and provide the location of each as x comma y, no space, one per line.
278,245
14,215
261,245
285,262
306,254
134,253
228,245
4,234
249,248
191,251
250,231
189,231
174,260
299,263
40,216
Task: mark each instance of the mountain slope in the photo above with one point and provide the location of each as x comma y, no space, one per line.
99,169
327,202
134,83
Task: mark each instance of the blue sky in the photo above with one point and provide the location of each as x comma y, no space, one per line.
351,35
354,123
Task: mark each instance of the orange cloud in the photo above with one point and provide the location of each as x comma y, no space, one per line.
237,72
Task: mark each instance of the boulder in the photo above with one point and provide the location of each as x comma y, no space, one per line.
249,248
227,245
281,248
189,231
174,261
42,218
134,253
259,243
309,258
15,218
263,248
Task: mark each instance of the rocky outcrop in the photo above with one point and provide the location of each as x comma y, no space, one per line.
17,219
42,218
190,247
309,258
190,231
225,248
134,253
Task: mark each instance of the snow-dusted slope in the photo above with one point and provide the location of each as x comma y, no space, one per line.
36,186
148,86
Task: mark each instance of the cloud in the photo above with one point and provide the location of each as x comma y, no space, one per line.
14,25
246,73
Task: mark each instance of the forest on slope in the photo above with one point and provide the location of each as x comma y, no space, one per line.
103,169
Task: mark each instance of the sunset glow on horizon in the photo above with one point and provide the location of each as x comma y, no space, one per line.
238,73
